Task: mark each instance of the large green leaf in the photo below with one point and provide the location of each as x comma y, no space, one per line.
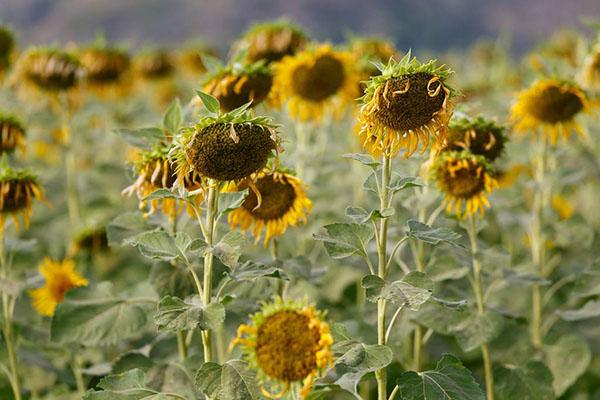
360,215
365,159
531,382
94,316
158,244
229,248
129,385
450,380
346,239
568,358
124,227
229,201
428,234
175,314
238,382
208,379
412,290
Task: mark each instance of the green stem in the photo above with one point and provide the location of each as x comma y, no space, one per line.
181,346
485,351
76,368
70,165
7,312
538,241
380,374
211,213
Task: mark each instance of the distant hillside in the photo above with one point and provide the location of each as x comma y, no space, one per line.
437,25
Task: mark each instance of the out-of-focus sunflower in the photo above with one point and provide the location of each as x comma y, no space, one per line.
283,203
12,134
7,45
562,206
271,41
105,67
550,107
479,135
18,189
368,50
155,171
60,278
225,146
403,106
314,81
91,239
590,74
289,344
193,57
465,179
50,70
236,84
562,45
155,65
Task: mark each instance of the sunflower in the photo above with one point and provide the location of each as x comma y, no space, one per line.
590,74
283,202
480,136
92,239
60,278
562,206
235,85
12,134
155,171
105,67
18,189
368,50
50,70
192,58
155,65
7,45
315,80
289,344
403,106
550,107
271,41
225,146
465,179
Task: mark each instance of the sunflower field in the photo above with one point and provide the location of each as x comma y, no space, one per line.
300,220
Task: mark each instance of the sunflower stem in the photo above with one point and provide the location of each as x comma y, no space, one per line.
476,281
538,241
211,213
70,165
384,199
76,368
8,324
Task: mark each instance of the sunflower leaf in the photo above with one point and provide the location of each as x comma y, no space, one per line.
450,380
365,159
159,244
210,102
208,379
568,358
412,290
144,138
532,381
173,117
175,314
346,239
238,382
428,234
229,201
362,216
124,227
591,309
229,248
250,270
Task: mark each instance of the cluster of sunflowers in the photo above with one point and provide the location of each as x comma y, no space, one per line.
222,146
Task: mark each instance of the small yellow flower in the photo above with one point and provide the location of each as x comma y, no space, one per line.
315,81
60,277
465,179
289,344
562,206
549,107
283,203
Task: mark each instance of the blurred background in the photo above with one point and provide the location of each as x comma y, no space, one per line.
437,25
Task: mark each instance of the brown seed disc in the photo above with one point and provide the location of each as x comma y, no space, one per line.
277,199
320,81
255,88
103,66
554,105
16,198
273,46
52,72
465,183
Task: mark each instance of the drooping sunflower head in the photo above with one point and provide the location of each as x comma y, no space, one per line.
60,277
316,80
155,65
404,105
237,84
368,50
465,179
90,239
104,66
480,136
49,69
590,74
12,133
155,171
225,146
550,107
18,189
289,344
281,202
271,41
7,45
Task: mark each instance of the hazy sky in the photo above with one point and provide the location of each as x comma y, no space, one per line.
433,24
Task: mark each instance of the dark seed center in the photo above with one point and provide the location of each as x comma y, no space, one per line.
320,81
277,199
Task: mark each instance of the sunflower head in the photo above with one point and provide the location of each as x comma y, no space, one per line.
465,179
18,189
403,105
225,146
193,57
371,49
277,200
155,171
60,277
289,344
7,44
236,84
590,75
50,69
104,65
314,80
90,239
12,133
271,41
479,135
550,107
155,65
